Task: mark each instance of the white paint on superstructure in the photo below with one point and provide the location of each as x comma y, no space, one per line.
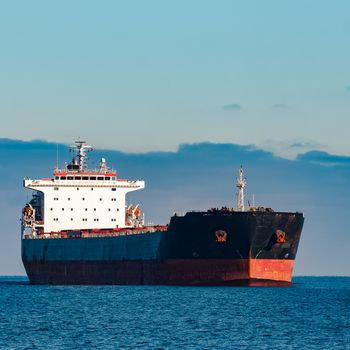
81,199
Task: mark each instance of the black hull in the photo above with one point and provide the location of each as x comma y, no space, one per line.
207,248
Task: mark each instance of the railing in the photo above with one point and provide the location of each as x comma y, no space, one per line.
85,171
96,233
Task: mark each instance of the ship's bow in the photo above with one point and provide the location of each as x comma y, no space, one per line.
273,246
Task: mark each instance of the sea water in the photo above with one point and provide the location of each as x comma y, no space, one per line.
313,314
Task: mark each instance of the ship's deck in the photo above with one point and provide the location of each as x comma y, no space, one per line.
98,233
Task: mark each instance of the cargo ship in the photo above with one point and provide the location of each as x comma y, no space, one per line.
78,229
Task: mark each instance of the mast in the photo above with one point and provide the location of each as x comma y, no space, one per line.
240,184
81,149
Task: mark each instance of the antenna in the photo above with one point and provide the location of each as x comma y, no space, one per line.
240,184
81,149
56,155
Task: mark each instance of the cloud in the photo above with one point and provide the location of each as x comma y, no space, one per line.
297,145
291,148
324,158
197,177
279,106
307,145
233,107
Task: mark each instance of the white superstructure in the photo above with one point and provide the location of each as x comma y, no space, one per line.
77,198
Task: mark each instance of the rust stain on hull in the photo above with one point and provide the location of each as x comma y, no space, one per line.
247,272
271,269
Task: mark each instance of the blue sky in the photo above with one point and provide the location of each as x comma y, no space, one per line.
139,76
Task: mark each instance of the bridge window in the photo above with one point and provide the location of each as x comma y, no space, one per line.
69,177
100,178
85,178
77,178
114,189
63,177
107,178
92,177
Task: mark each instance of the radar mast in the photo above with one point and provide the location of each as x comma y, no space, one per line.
240,184
81,149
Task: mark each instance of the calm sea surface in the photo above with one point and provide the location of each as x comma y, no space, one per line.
314,314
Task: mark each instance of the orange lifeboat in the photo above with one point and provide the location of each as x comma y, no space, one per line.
28,210
137,212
